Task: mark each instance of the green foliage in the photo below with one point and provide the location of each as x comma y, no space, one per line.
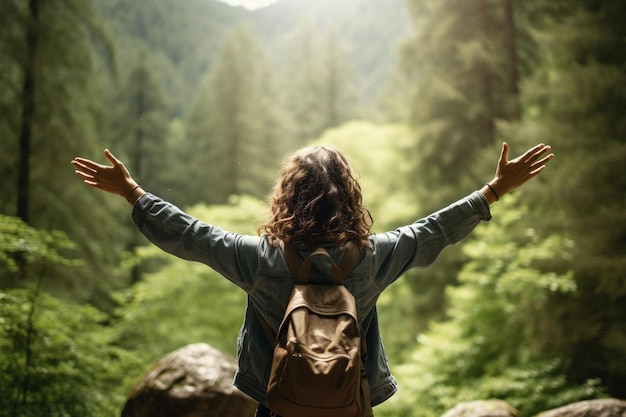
494,342
70,59
55,358
574,101
22,245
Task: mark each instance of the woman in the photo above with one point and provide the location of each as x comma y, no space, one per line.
316,201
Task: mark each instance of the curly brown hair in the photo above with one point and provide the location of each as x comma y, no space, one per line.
317,199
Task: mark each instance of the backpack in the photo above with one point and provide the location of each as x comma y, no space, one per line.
318,367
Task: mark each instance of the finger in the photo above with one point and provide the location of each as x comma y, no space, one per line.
538,154
542,161
87,164
84,175
530,154
536,171
83,168
504,154
114,161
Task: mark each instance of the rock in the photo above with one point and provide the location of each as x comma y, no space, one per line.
195,381
482,408
608,407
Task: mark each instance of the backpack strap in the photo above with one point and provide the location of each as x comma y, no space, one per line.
350,259
305,268
300,270
291,258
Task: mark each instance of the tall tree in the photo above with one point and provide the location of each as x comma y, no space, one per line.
51,53
320,83
456,73
234,135
28,110
140,130
575,101
36,30
141,124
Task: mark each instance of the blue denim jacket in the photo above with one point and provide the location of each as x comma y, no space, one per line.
258,268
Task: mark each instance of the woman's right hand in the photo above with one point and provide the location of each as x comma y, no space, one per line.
113,178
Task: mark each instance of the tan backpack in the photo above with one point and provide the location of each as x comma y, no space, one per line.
318,366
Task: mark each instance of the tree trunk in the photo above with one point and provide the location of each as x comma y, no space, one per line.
485,74
28,112
137,152
511,55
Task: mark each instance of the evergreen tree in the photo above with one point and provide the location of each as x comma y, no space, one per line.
181,38
234,134
456,62
141,125
52,71
575,101
320,84
458,73
140,130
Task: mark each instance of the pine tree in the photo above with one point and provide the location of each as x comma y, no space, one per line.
181,38
456,65
234,134
458,73
141,125
320,84
574,101
50,79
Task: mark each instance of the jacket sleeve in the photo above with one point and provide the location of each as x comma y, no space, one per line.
233,255
419,244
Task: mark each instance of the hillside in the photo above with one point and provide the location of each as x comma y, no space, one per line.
184,37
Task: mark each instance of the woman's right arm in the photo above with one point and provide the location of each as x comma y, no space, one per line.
114,178
174,231
233,255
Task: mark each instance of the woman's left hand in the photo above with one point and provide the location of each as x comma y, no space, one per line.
513,173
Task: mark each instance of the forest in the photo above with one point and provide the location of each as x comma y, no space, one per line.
202,100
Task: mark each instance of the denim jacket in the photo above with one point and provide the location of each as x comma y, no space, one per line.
259,269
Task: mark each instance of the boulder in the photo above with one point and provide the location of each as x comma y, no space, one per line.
482,408
194,381
608,407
